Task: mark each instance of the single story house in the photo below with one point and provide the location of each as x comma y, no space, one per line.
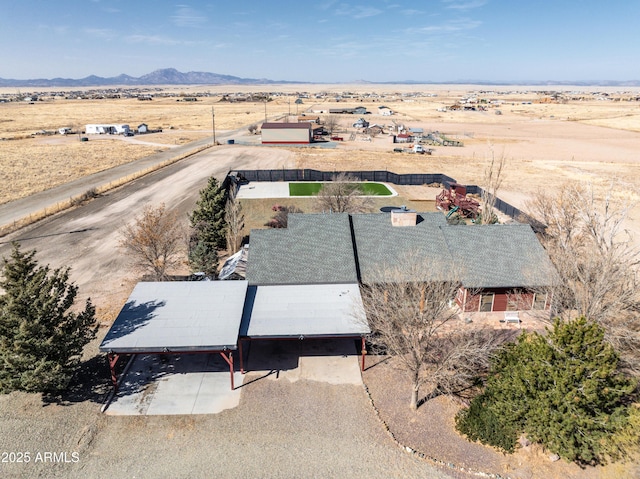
499,267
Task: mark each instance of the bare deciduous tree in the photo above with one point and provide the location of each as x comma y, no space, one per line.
415,324
491,183
234,217
331,123
343,195
154,241
597,262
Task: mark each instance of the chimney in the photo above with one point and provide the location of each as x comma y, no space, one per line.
403,217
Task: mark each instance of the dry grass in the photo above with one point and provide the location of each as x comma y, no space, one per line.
258,211
30,163
30,166
546,144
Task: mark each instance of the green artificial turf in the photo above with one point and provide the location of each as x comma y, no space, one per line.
312,188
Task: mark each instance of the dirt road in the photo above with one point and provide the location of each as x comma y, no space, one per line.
86,238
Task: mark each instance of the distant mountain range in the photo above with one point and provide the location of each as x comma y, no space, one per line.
171,76
165,76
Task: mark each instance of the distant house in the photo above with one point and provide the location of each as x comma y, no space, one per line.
64,131
402,138
385,111
287,133
143,128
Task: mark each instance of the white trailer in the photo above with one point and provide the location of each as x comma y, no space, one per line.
112,129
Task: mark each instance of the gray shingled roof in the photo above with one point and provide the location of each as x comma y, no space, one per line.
319,248
410,253
313,249
499,256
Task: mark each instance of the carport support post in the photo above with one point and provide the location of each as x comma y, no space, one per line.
113,359
229,361
240,353
364,351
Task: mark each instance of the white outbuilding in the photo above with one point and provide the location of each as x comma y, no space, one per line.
112,129
291,133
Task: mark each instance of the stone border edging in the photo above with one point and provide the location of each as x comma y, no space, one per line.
422,455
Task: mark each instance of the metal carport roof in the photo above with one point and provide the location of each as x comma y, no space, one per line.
311,310
178,316
299,311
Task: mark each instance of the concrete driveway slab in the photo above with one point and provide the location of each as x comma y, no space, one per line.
333,361
176,384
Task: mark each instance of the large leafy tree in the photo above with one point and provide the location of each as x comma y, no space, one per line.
562,390
41,340
209,227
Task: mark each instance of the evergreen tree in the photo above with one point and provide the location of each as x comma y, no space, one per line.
208,227
562,390
41,341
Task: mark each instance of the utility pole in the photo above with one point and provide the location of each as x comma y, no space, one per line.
265,109
213,120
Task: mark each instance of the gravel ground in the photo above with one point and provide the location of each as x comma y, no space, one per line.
281,429
430,431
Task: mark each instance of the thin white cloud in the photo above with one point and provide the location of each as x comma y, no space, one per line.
364,12
187,17
278,26
153,40
452,26
464,5
358,12
104,33
411,12
327,5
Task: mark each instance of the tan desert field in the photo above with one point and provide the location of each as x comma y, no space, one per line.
548,135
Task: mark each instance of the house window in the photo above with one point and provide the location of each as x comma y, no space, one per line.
486,302
540,301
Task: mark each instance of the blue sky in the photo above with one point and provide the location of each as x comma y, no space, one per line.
325,41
